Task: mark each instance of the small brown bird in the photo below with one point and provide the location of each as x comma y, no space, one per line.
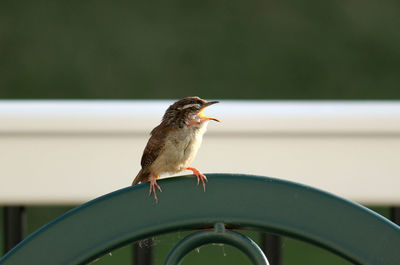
174,143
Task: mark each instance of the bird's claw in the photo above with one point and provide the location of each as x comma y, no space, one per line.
153,185
202,178
199,176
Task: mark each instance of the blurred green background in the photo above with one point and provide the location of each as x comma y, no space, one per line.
215,49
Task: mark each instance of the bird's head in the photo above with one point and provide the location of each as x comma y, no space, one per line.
188,111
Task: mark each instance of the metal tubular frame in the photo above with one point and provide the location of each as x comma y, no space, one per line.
254,202
217,235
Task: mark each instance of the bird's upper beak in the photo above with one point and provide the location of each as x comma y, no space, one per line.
204,117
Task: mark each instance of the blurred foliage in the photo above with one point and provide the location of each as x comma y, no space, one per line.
296,252
38,216
215,49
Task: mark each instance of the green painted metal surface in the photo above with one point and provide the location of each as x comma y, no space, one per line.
218,235
254,202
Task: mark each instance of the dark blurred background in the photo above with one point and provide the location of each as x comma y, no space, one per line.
214,49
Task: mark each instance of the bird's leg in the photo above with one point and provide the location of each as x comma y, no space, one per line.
153,185
199,176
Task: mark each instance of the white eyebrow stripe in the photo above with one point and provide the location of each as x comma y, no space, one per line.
191,105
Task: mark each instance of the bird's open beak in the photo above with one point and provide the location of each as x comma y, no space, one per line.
204,117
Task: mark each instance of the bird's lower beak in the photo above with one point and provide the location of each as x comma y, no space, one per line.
204,117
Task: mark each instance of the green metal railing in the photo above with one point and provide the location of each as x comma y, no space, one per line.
119,218
217,235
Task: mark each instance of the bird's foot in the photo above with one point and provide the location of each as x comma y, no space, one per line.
153,185
199,176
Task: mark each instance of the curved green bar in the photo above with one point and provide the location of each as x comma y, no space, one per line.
262,203
219,235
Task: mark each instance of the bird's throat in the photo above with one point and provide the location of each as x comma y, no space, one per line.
193,122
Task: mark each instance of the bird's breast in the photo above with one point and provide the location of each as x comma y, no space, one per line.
180,148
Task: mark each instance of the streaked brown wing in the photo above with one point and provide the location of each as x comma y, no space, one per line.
154,146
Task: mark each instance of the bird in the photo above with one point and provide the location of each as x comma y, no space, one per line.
174,143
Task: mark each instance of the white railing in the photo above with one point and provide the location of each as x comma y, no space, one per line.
59,152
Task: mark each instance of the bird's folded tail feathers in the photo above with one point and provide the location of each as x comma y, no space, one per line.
142,176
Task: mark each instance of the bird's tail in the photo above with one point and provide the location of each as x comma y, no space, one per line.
142,176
